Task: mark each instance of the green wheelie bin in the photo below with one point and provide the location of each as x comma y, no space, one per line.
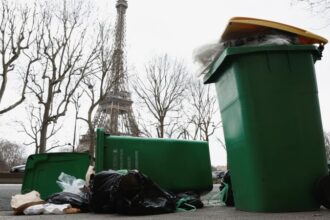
175,165
42,171
272,126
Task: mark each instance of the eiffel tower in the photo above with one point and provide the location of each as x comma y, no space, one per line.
115,113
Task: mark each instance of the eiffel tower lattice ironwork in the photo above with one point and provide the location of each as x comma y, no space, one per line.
115,113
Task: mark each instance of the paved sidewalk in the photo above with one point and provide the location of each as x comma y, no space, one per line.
213,211
208,213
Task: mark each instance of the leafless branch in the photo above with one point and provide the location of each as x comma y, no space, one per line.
319,7
163,90
16,35
201,112
56,146
63,63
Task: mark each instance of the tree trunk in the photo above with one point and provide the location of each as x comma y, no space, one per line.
207,133
91,136
161,127
43,137
74,132
36,151
45,121
92,144
4,83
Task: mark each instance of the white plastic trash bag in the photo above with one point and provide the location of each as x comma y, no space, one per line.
47,209
70,184
55,209
34,210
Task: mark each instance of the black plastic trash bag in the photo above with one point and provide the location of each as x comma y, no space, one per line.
131,194
226,192
76,201
323,191
104,186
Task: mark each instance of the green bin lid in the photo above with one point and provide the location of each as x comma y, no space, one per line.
42,171
229,54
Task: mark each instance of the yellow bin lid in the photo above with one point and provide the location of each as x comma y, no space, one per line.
239,27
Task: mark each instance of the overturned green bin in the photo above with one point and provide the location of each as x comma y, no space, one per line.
42,171
272,126
175,165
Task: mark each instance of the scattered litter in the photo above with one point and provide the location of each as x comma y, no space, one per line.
55,209
123,192
70,184
76,201
213,200
226,192
205,54
322,191
34,210
72,210
188,201
20,202
47,209
89,172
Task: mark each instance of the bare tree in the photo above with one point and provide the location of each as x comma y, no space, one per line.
63,65
320,8
96,86
162,91
200,112
76,99
11,153
17,26
316,6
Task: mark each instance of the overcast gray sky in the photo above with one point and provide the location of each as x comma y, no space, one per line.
177,27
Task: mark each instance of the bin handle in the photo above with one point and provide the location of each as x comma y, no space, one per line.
319,55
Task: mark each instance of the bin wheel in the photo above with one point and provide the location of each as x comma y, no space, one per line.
323,191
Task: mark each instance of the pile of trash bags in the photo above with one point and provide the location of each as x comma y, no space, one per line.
127,192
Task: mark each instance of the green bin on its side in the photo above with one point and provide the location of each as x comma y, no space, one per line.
175,165
42,171
272,126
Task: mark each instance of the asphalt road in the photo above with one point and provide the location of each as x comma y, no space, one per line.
6,191
208,213
212,211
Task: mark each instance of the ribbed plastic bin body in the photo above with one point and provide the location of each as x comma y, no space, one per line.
42,171
272,125
175,165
